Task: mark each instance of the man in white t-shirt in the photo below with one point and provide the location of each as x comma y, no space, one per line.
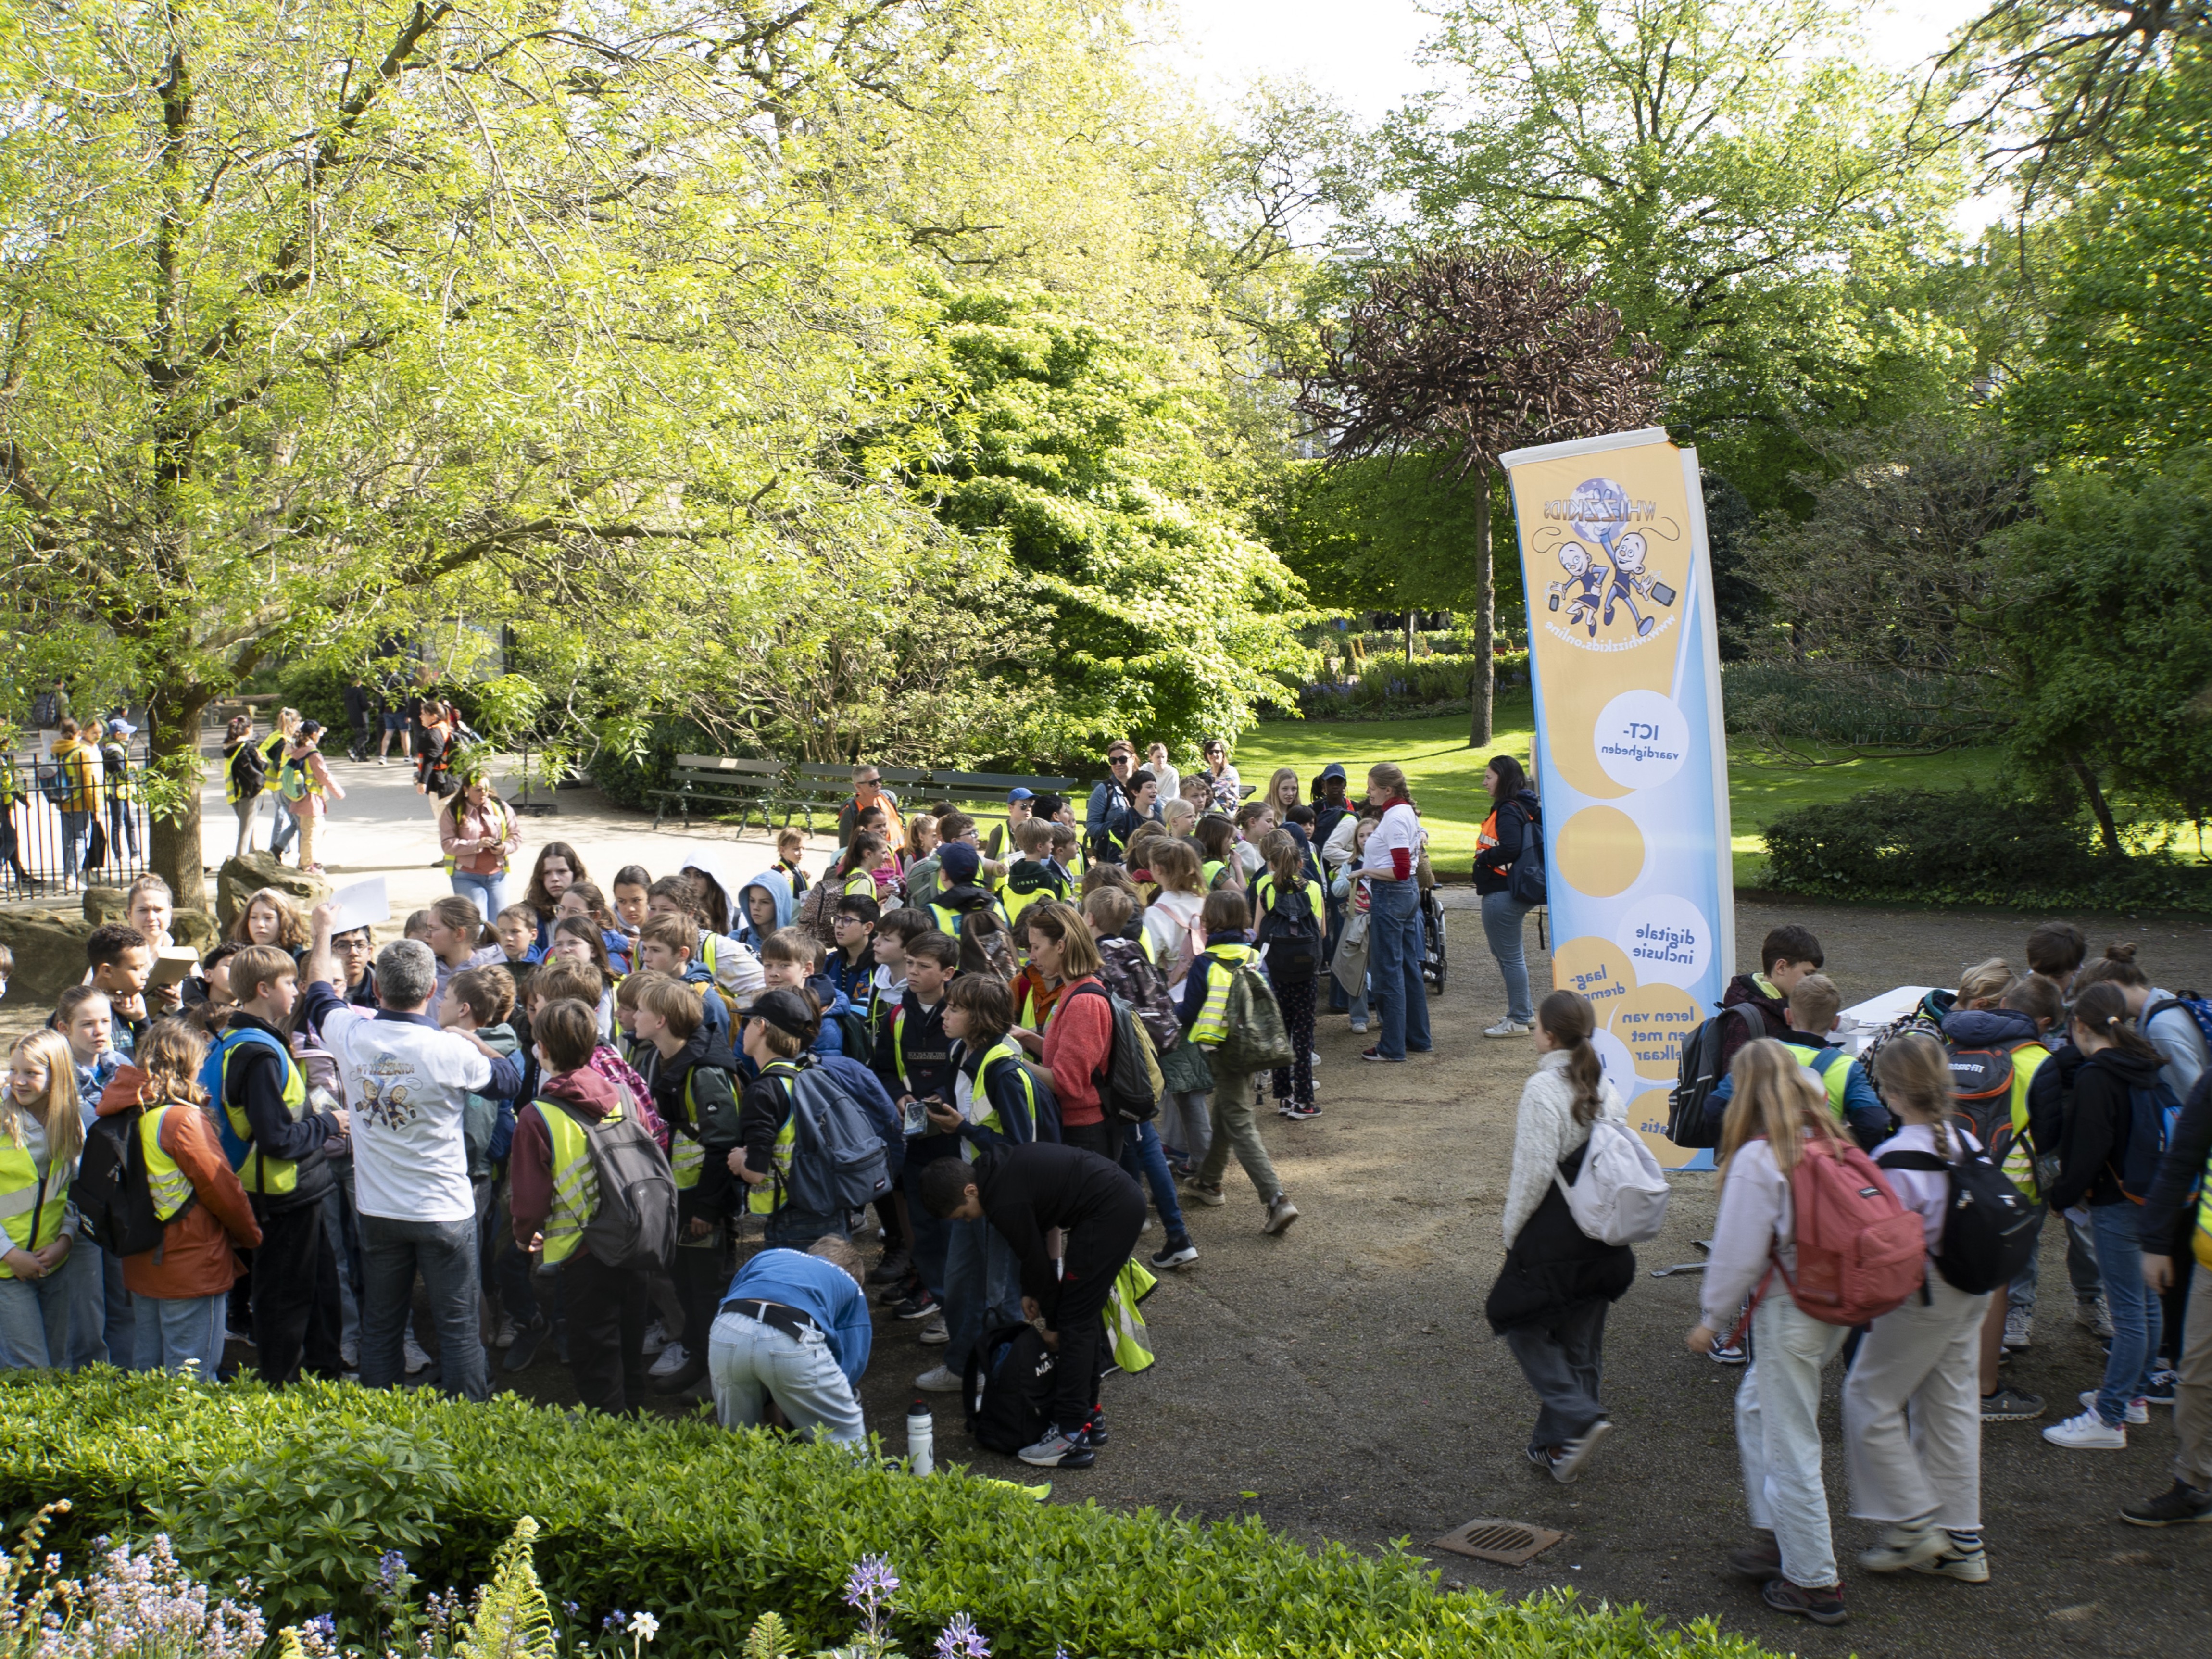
1395,945
406,1080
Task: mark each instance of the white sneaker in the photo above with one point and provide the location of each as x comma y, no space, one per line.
672,1359
1280,1213
503,1337
2094,1316
1508,1027
2138,1409
2087,1432
1360,1026
416,1359
656,1338
938,1379
935,1333
2020,1325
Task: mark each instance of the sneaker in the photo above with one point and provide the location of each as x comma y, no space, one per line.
938,1379
1176,1252
1822,1607
1313,1057
1905,1546
934,1334
1968,1566
1542,1456
920,1305
1727,1353
502,1336
415,1360
1094,1426
672,1359
2010,1406
1576,1453
1283,1109
1376,1053
1146,1225
1060,1450
2138,1409
2019,1324
2179,1506
1280,1213
528,1339
903,1291
1359,1026
2094,1316
1211,1195
2159,1390
1301,1114
1762,1561
1508,1027
895,1268
2087,1432
656,1339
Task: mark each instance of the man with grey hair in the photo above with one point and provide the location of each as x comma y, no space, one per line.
406,1081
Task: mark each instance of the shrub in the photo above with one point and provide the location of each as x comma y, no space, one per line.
711,1529
1966,846
1775,702
627,779
1392,685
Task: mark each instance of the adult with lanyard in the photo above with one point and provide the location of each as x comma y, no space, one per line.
1222,783
1514,817
479,836
1108,802
410,1082
1393,924
2180,1207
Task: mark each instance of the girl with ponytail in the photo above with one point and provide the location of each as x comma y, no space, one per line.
1550,1300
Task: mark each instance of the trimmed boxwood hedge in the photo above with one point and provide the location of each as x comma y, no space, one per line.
708,1529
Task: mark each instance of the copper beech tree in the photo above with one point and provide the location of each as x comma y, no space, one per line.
1462,354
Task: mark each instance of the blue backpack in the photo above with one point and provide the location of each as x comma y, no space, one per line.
2152,1114
235,1146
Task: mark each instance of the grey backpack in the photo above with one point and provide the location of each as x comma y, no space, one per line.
837,1158
634,1223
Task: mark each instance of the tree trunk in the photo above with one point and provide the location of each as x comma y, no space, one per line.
2108,830
1409,643
173,732
1485,688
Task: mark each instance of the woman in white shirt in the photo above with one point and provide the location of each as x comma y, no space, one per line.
1912,1415
1390,866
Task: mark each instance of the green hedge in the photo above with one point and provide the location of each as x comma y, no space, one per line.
1390,684
1967,847
708,1529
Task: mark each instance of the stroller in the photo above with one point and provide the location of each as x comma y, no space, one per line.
1432,941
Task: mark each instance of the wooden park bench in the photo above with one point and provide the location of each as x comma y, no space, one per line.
827,788
724,781
983,794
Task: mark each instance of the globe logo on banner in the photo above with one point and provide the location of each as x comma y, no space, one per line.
1629,759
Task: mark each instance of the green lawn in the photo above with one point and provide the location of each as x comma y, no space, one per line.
1447,775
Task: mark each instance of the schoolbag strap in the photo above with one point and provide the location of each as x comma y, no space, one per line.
1750,1306
1911,1160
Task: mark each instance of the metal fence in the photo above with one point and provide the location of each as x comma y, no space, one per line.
45,849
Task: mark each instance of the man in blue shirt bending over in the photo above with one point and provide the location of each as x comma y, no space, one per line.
793,1328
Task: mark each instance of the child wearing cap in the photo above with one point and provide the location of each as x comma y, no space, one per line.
115,768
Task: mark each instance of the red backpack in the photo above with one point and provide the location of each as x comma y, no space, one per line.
1860,1252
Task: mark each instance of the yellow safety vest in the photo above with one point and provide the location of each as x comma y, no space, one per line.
2020,1157
948,919
687,1155
1125,1326
258,1173
576,1183
171,1186
859,884
769,1197
2203,1240
1213,1023
1263,900
998,1053
499,830
31,1210
1834,1079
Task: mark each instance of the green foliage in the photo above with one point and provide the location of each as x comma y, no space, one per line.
632,760
1966,846
1390,685
1779,701
514,1620
1382,533
712,1529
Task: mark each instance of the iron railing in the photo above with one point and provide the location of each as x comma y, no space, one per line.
46,850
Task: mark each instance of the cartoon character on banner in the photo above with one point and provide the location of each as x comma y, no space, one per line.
1630,578
1583,589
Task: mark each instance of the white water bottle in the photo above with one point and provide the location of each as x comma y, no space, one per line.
920,1433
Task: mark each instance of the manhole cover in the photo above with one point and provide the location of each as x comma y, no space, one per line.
1507,1543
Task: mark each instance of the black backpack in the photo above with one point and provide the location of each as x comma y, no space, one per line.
1007,1388
1700,1073
837,1158
1525,881
46,710
1988,1230
1129,1083
634,1225
112,1193
1291,934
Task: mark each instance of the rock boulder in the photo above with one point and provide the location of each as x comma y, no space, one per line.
49,948
194,928
242,878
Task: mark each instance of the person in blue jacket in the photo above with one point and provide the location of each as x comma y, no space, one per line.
1811,1012
794,1330
765,905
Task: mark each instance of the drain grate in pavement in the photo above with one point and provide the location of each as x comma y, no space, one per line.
1507,1543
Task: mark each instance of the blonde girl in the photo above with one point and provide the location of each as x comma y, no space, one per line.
1282,793
921,839
41,1132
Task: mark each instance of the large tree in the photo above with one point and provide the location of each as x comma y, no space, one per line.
1456,358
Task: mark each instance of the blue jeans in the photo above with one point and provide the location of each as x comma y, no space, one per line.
445,1253
122,826
931,1237
982,1287
285,828
1147,1160
35,1314
1394,968
1501,917
76,827
2134,1309
180,1331
490,892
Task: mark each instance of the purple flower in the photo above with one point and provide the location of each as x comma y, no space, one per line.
961,1640
613,1621
871,1584
389,1566
324,1624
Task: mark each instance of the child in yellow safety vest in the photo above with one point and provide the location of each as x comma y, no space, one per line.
41,1268
1811,1010
1228,921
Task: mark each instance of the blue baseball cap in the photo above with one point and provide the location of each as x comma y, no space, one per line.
1021,794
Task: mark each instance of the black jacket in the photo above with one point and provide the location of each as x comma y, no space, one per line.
1028,1190
2094,1141
708,1066
2168,1214
1553,1265
249,768
1493,865
927,1052
254,1083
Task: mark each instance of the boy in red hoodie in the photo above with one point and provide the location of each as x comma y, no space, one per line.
604,1307
180,1289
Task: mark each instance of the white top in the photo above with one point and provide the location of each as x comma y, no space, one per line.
1168,920
2180,1045
1756,1221
1170,782
1546,1132
1401,829
1338,849
407,1082
1926,1192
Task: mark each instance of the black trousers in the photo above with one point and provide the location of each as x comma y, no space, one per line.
295,1307
1097,1248
1294,1082
701,1273
605,1309
1103,1138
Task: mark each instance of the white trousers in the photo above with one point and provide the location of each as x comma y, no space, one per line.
1777,1435
1912,1411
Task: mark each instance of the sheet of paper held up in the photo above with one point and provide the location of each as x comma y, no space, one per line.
363,904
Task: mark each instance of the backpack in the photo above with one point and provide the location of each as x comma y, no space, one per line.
1619,1195
634,1223
1860,1252
46,710
2196,1007
1990,1230
1129,1083
1291,934
1007,1388
1688,1121
986,947
2152,1113
112,1193
54,783
837,1158
292,781
859,1035
1525,881
1255,1039
1927,1018
1981,1081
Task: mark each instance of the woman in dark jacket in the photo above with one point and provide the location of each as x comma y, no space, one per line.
1514,817
244,771
2115,1064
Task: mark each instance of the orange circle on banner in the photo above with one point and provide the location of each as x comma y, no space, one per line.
1597,968
1600,852
1652,1022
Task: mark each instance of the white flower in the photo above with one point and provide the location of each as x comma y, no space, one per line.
644,1627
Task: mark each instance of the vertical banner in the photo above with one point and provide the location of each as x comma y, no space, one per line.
1631,759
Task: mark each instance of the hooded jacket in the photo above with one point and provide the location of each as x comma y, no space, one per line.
1757,992
530,1172
2095,1139
706,1063
1510,823
777,886
194,1257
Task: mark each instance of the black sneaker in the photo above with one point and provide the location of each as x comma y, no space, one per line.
895,1268
528,1339
2159,1390
1822,1607
904,1290
920,1305
1094,1429
2010,1406
1176,1253
2179,1506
